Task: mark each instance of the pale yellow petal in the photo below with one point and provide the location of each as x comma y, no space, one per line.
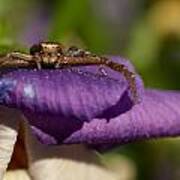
165,17
65,162
8,132
17,175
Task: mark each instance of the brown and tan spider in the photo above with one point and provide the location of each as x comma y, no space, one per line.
54,55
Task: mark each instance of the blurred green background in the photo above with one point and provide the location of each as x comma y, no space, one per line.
145,31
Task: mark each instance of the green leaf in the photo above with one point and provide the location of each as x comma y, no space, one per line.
69,13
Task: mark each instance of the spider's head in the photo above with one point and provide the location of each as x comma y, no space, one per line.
47,48
48,51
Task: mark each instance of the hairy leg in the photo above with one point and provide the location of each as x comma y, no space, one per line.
103,61
20,56
16,60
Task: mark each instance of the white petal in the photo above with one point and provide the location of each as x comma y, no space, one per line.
16,175
65,162
8,132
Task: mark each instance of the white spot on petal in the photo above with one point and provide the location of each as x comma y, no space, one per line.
29,91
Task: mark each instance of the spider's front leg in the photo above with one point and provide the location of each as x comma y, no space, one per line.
20,56
16,60
26,58
60,63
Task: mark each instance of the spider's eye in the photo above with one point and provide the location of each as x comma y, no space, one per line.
60,49
73,48
37,48
76,52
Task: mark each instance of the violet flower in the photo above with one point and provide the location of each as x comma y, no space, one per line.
80,105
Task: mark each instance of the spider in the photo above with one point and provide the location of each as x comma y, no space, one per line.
54,55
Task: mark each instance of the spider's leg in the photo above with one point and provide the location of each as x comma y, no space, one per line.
77,61
62,66
61,61
20,56
129,75
38,64
58,65
3,58
26,58
15,63
103,61
16,60
12,58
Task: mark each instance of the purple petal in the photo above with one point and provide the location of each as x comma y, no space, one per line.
59,104
158,115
